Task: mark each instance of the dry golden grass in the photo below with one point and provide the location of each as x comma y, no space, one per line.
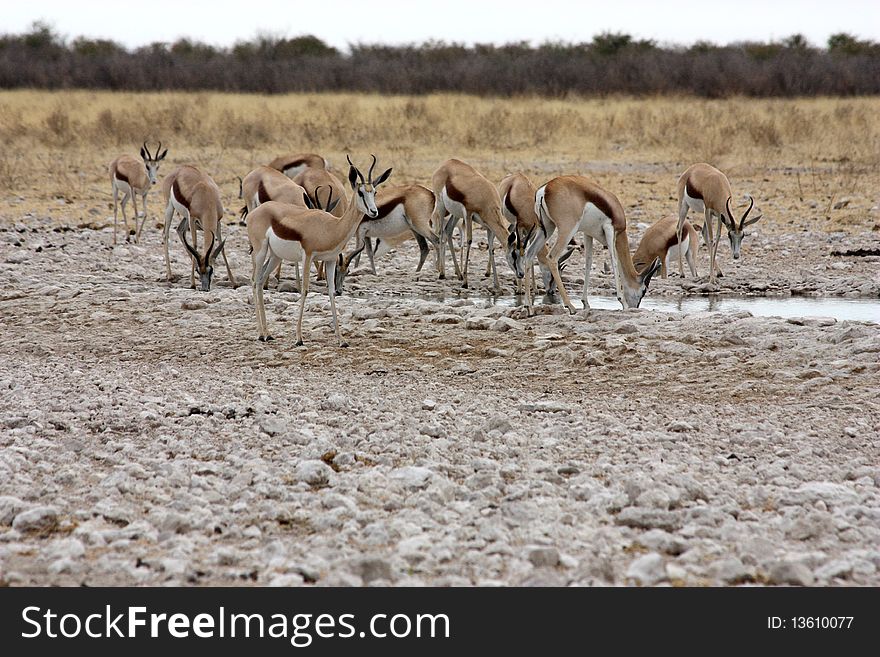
56,145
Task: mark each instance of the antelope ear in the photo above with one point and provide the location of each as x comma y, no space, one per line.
532,232
332,205
727,223
650,271
218,249
310,204
162,156
144,154
382,178
352,177
752,220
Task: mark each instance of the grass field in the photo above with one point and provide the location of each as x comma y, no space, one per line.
808,152
148,437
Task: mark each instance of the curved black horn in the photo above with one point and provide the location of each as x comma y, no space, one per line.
742,221
370,173
730,214
360,175
329,199
149,157
317,198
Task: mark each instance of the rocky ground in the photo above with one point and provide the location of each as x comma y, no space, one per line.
147,437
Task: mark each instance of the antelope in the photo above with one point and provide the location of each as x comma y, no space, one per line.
311,179
131,177
459,190
291,164
518,206
295,233
703,188
402,209
268,184
661,241
258,225
572,203
194,195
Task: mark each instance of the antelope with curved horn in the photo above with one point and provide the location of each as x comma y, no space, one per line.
463,193
196,197
703,188
313,235
313,179
291,164
661,241
401,209
268,184
576,203
131,177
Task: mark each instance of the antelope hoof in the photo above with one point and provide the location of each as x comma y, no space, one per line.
464,286
442,276
265,338
343,344
299,343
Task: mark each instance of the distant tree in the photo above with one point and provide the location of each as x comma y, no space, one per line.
613,43
43,37
796,42
846,44
96,47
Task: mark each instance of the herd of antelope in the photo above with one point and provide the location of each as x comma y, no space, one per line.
296,210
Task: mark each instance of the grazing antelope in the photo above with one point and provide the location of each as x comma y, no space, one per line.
295,233
459,190
291,164
703,188
131,177
401,209
661,241
573,203
194,195
518,206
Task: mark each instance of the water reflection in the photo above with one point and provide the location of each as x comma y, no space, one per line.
864,310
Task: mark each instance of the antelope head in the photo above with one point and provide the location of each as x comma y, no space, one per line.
517,241
633,294
736,232
365,189
204,262
152,161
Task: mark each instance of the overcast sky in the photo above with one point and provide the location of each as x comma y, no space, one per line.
340,22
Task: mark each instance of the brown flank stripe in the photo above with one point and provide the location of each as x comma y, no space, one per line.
290,165
262,194
121,177
285,232
693,193
454,193
175,189
386,208
509,206
602,204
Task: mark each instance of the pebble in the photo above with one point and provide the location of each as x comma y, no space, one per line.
647,570
313,473
789,572
412,477
43,520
